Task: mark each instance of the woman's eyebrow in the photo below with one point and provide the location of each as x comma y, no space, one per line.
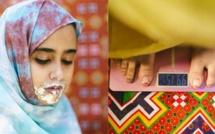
52,50
45,49
70,51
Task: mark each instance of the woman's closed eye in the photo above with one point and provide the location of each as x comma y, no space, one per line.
46,61
67,62
42,61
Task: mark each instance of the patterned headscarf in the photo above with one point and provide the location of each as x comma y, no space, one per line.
23,27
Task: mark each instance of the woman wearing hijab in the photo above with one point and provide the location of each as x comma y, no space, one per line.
140,28
37,48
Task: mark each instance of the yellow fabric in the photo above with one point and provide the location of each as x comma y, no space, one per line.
139,27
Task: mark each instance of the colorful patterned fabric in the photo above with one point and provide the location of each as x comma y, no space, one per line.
161,112
89,86
22,28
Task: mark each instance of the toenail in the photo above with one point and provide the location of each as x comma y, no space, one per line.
145,80
118,65
210,85
123,72
196,83
128,80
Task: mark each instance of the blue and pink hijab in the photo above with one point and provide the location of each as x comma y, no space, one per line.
22,29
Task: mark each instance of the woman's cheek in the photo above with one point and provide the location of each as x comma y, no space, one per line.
39,75
69,75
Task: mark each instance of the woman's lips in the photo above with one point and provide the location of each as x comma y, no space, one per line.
54,89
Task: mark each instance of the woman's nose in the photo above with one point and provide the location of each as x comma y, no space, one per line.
56,73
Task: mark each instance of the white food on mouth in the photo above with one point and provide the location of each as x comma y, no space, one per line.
50,97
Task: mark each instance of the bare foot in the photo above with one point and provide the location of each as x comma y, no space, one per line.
202,59
128,68
145,74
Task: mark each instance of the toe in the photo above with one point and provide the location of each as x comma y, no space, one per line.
196,73
211,76
124,67
145,74
118,62
146,70
130,71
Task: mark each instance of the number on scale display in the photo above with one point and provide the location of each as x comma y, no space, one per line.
165,79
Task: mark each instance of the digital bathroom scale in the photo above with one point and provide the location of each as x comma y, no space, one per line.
170,74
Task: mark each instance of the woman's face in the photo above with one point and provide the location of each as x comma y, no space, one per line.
52,65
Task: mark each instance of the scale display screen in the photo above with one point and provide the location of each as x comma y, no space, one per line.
172,79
